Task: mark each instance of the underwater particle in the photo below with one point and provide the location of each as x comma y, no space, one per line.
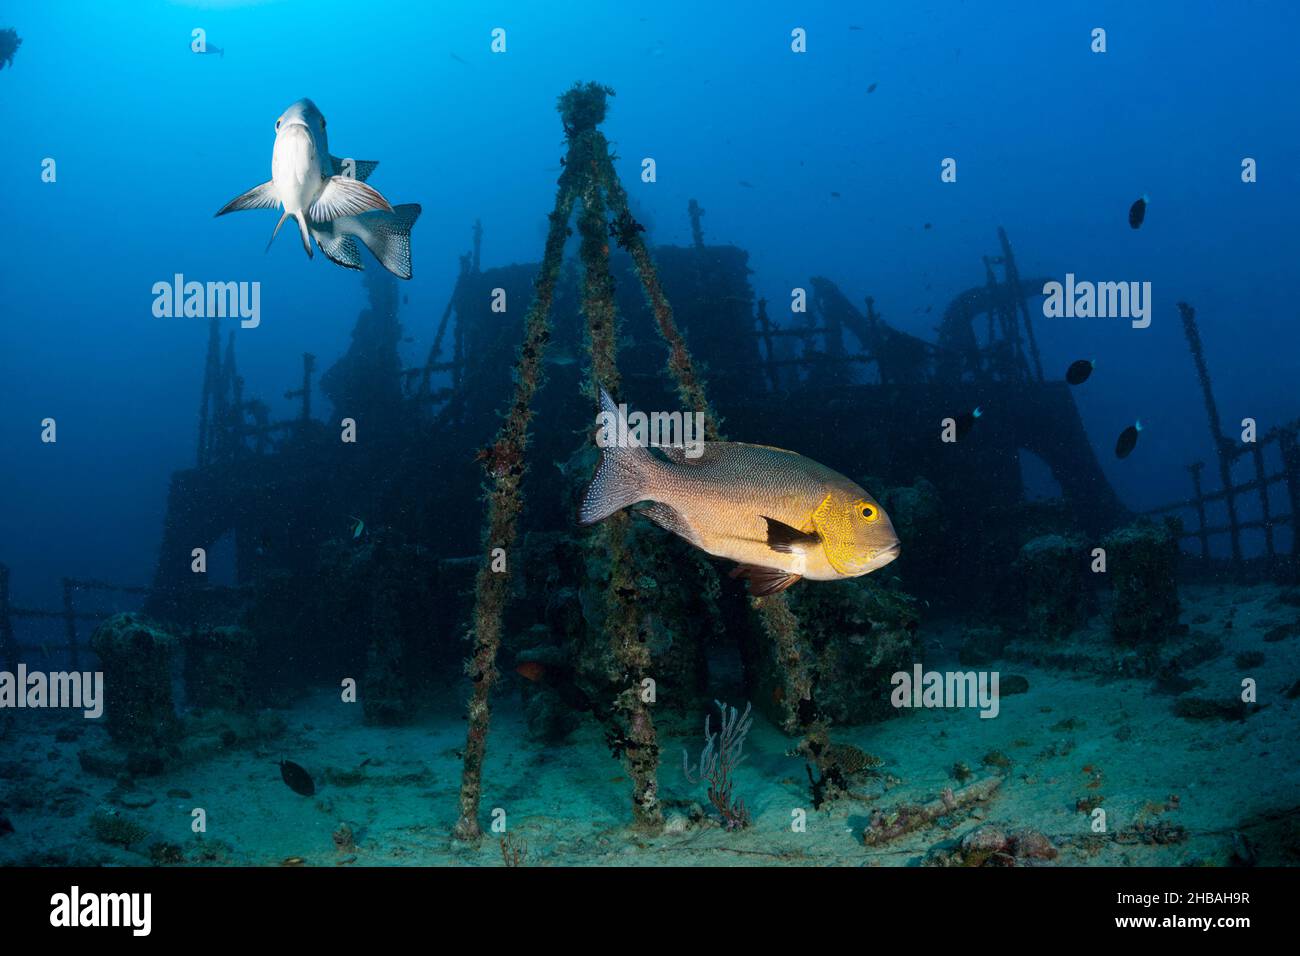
871,88
1137,212
293,861
1127,440
834,195
827,527
747,184
1079,371
298,779
966,421
961,772
357,528
928,226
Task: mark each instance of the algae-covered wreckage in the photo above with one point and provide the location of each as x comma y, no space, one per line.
618,623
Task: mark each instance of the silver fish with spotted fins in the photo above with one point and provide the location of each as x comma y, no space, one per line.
779,515
329,197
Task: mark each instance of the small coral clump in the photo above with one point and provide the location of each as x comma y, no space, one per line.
112,828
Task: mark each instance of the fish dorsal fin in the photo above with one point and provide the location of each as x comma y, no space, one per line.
361,168
787,540
346,197
764,581
712,451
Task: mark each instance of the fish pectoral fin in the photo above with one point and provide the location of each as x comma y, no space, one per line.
764,581
361,168
259,197
787,540
670,519
346,197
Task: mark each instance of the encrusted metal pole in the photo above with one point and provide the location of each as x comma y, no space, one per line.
623,620
697,234
1216,428
505,464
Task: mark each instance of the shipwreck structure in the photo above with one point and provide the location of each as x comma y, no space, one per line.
357,543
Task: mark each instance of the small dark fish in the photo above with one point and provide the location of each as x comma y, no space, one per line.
871,88
299,780
1128,440
746,184
1079,371
1137,212
457,59
926,226
966,421
835,195
854,27
213,50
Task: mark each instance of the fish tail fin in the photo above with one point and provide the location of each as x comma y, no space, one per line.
623,475
388,236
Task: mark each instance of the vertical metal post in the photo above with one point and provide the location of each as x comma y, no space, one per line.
1216,429
1291,467
1257,452
7,642
1202,533
70,620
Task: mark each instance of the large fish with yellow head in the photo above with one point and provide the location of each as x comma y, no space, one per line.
779,515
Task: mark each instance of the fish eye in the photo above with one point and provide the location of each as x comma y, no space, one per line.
870,513
277,124
322,122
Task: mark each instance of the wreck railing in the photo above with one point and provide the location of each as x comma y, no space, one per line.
69,614
1287,439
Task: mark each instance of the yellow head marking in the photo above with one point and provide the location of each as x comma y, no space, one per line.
835,528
